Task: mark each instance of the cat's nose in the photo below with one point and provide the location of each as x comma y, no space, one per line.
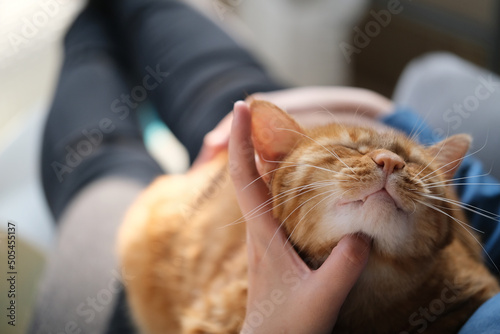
388,160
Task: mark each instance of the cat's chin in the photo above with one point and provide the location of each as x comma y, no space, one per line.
377,216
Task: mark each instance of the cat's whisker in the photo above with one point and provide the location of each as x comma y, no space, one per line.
447,208
436,155
260,177
357,109
465,206
464,226
303,203
300,189
428,176
414,206
315,141
415,131
458,178
302,218
291,213
430,162
290,166
465,183
294,164
325,110
254,213
288,240
335,117
346,191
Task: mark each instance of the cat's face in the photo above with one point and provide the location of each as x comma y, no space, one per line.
336,180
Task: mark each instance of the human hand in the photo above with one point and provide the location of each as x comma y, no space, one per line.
215,141
284,295
310,106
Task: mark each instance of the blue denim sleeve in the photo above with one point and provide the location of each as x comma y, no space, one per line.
477,189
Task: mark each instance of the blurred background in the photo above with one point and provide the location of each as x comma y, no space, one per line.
364,43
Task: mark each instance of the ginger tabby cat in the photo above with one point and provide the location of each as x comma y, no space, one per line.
182,244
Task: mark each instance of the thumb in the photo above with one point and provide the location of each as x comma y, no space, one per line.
344,266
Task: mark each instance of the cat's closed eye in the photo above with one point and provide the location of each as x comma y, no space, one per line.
363,149
352,149
349,149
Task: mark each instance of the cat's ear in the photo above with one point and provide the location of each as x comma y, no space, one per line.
274,135
449,153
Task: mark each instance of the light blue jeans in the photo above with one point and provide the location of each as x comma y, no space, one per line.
436,86
486,320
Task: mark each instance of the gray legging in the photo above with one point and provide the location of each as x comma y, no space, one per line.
81,288
94,163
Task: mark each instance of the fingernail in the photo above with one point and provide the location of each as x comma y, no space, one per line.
236,112
238,103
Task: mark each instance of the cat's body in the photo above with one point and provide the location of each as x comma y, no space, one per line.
186,268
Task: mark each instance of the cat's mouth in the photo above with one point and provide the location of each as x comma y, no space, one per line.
381,196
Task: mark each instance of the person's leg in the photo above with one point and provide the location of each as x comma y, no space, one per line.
486,319
93,165
82,285
91,133
84,139
454,96
202,70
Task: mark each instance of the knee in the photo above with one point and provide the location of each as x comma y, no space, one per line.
433,68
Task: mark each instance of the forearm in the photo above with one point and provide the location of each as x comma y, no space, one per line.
334,99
